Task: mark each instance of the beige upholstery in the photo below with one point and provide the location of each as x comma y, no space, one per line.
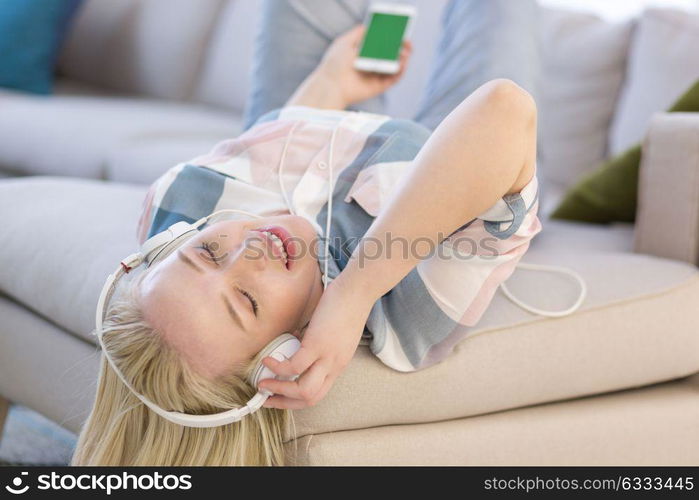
667,219
619,339
88,222
152,48
636,342
224,74
583,66
629,427
128,106
39,135
45,368
649,426
663,64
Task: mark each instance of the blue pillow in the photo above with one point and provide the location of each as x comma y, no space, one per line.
31,32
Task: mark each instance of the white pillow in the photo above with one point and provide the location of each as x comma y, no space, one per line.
583,65
663,63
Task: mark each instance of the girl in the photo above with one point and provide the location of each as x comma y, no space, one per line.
360,228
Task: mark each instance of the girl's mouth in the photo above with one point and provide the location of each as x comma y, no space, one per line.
283,245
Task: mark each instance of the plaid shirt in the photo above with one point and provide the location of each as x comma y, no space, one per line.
420,320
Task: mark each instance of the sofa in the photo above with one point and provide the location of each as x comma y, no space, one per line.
617,382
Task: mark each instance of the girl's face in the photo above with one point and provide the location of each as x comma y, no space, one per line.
232,288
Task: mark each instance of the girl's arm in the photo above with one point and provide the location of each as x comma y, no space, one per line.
482,150
335,84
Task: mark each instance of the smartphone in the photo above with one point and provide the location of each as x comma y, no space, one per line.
388,24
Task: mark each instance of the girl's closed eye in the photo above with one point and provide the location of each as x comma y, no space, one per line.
209,252
251,299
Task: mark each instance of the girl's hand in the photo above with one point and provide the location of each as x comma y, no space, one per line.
337,67
326,349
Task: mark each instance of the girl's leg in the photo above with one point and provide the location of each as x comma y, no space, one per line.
481,40
291,41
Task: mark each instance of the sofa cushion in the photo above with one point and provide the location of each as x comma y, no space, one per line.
663,63
75,133
83,227
143,160
562,236
583,65
45,368
647,426
637,326
152,47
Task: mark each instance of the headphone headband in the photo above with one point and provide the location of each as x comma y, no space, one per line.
153,250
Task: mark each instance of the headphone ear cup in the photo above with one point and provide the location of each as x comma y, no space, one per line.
281,348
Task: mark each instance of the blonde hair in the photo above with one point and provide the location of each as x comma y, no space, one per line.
121,430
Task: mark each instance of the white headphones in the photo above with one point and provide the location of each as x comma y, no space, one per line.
152,251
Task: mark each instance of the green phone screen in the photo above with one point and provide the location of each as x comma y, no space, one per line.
384,36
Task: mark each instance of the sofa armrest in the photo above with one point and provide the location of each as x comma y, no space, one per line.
667,217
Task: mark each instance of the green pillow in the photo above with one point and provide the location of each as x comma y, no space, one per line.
608,194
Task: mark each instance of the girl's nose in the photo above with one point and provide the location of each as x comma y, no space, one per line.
251,254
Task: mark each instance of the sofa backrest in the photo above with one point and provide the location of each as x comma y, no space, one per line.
150,47
602,82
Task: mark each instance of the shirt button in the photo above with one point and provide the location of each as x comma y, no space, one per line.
322,165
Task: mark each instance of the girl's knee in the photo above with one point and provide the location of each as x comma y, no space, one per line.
505,94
